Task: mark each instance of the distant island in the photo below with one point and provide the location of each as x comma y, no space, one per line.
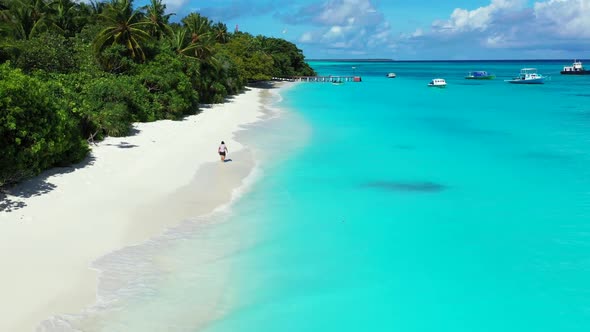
353,60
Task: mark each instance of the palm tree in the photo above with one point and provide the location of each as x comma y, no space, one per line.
201,37
182,43
268,46
22,19
220,32
90,11
4,19
65,16
154,12
125,26
179,41
198,25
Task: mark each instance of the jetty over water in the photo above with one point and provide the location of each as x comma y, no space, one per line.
319,79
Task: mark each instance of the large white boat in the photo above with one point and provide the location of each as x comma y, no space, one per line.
528,76
575,69
437,83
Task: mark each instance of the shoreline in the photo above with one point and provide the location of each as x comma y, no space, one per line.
129,190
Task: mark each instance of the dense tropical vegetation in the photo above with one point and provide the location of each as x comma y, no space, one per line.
73,72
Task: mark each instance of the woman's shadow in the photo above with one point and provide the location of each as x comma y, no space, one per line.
227,160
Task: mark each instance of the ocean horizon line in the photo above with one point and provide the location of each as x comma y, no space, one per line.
443,60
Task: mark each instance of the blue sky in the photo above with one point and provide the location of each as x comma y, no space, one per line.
411,30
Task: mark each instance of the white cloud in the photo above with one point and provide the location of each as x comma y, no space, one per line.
340,11
477,19
566,18
173,5
495,41
341,44
335,30
418,33
306,37
346,24
540,28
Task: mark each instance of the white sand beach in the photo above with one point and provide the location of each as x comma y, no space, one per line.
131,188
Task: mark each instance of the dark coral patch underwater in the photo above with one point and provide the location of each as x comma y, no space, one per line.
406,186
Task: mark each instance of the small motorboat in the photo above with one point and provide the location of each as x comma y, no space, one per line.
338,82
528,76
437,83
479,75
391,75
575,69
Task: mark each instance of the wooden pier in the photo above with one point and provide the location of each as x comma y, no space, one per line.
319,79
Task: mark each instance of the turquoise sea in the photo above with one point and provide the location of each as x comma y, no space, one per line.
386,205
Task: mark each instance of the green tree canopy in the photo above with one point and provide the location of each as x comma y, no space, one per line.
124,26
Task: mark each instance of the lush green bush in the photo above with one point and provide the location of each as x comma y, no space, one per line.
288,59
110,104
115,59
252,63
218,92
171,93
37,131
49,52
229,73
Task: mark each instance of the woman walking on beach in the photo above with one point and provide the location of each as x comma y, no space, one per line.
222,150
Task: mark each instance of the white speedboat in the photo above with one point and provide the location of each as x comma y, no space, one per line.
437,83
391,75
528,76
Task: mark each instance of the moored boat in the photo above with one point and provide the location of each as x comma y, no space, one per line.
575,69
479,75
437,83
391,75
528,76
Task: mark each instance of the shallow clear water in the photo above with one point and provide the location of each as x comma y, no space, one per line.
394,206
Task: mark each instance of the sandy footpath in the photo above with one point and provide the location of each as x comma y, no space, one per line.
130,189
